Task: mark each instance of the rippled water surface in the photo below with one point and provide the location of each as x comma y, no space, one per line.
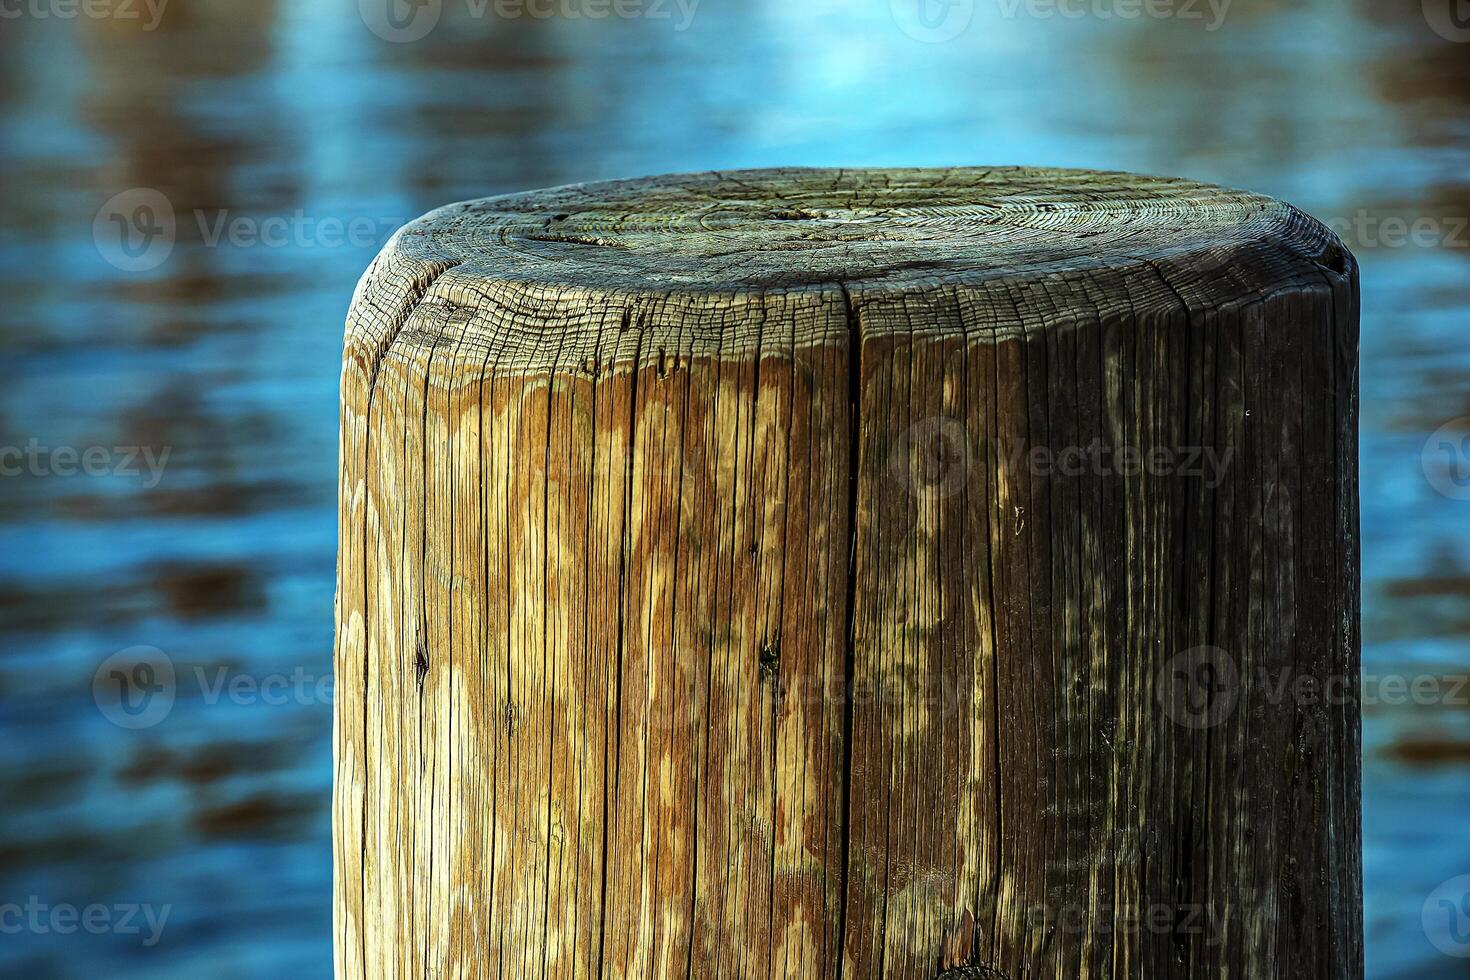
226,356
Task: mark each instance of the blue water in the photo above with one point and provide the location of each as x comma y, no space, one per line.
227,354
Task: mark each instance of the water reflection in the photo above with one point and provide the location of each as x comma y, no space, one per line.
226,356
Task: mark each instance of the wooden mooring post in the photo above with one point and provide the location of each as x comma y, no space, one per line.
851,573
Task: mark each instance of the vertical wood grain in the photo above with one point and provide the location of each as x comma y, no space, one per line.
796,630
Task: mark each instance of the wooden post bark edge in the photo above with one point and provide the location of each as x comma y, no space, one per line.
800,574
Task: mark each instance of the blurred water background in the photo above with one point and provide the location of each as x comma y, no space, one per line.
224,354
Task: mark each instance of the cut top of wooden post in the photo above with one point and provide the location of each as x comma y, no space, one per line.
922,235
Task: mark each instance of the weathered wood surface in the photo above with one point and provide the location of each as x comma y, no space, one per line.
707,607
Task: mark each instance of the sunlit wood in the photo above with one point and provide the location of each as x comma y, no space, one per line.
861,573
